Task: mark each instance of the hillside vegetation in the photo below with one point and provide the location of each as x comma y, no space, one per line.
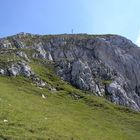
29,112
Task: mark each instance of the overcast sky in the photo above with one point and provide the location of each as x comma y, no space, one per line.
61,16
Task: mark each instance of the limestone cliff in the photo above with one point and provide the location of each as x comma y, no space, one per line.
104,65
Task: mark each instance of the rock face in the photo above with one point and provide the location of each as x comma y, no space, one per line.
105,65
20,69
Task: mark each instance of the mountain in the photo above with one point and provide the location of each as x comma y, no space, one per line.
69,87
106,65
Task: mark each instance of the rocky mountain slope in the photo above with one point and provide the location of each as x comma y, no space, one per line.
105,65
29,112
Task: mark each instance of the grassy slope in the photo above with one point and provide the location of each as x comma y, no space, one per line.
59,117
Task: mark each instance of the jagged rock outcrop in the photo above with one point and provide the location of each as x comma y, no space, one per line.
20,69
23,55
105,65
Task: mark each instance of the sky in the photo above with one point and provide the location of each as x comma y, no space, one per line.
120,17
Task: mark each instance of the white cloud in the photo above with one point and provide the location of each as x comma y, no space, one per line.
138,40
